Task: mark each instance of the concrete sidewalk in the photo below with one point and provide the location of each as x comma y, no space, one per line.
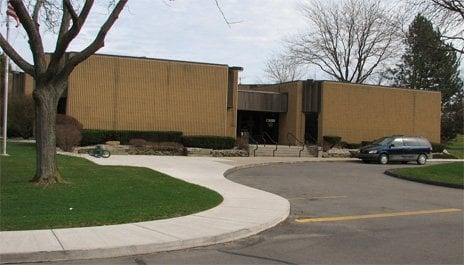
244,212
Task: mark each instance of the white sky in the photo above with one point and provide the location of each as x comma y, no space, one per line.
192,30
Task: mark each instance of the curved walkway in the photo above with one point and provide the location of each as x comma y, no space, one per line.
244,212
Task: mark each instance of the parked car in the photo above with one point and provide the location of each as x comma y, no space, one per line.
397,148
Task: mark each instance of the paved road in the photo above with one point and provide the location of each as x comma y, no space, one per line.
419,224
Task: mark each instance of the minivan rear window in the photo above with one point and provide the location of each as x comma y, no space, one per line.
412,142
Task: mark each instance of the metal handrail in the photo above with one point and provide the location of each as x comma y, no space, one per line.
256,143
298,141
272,141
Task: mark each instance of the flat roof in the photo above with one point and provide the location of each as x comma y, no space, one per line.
162,60
347,83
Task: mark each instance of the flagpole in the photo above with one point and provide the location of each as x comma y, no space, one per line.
5,91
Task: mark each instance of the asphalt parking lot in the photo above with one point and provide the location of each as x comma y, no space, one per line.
341,213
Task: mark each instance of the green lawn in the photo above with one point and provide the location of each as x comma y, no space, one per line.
94,195
452,173
456,147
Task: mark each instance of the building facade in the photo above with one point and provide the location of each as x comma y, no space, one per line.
127,93
313,109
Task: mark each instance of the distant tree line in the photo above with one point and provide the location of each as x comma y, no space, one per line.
415,44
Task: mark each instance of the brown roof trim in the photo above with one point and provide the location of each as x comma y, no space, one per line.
157,59
236,68
381,86
347,83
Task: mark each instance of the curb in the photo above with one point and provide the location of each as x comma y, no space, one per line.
87,254
237,168
279,215
429,182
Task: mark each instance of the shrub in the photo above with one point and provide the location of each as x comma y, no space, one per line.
68,132
138,142
67,137
332,141
21,116
438,148
364,143
212,142
62,119
350,145
93,137
164,148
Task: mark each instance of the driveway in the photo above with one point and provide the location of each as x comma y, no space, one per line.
341,212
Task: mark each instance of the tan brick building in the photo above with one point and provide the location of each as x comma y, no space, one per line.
127,93
313,109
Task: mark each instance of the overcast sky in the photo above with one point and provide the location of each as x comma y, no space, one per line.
193,30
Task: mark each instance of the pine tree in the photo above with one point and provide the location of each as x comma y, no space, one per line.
429,64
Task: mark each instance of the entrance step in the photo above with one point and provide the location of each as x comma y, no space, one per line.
282,151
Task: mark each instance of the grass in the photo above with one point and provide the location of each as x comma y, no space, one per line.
94,195
452,173
456,147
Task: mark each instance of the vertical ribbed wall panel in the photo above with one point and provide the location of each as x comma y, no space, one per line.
91,92
153,95
360,112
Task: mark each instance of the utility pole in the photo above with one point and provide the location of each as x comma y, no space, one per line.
5,91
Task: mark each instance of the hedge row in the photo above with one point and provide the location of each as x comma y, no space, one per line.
212,142
93,137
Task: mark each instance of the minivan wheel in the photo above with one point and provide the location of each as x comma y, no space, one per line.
383,159
422,159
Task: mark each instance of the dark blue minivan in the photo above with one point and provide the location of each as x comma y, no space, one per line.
397,148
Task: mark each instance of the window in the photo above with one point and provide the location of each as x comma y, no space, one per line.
411,142
398,142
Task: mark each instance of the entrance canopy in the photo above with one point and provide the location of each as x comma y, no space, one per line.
262,101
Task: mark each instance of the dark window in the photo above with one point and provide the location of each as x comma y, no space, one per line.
62,106
230,90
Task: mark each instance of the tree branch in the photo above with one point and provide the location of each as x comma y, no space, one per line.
36,12
35,40
17,59
99,41
65,36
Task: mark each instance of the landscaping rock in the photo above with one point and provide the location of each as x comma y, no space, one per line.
199,151
229,153
113,143
338,152
159,150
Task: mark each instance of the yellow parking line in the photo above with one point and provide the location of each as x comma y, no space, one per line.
317,198
371,216
328,197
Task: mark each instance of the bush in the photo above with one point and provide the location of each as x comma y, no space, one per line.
68,132
164,148
138,142
21,117
350,146
332,141
211,142
364,143
67,137
438,148
93,137
62,119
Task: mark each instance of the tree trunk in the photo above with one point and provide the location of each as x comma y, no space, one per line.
46,103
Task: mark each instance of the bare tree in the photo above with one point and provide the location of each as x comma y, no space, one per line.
448,15
280,69
348,40
51,74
